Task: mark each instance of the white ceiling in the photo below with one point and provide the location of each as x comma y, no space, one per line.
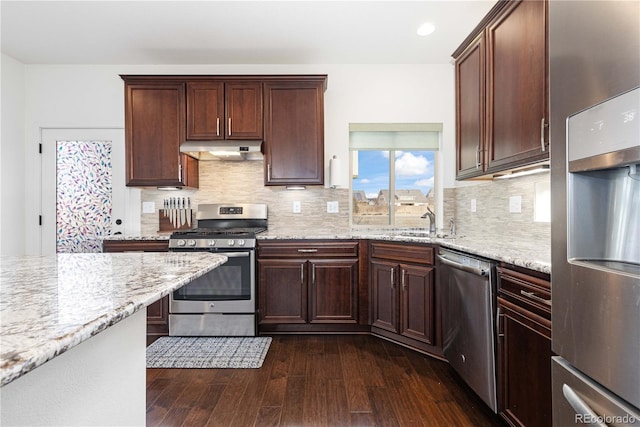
235,32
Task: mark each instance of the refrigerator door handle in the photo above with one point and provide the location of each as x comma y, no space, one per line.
580,406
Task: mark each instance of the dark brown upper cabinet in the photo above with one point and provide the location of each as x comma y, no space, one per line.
502,91
285,111
294,132
224,110
470,111
154,130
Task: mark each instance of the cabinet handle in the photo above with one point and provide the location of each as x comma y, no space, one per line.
499,324
404,285
393,280
308,251
268,172
535,297
218,126
478,156
229,126
313,274
579,405
302,274
180,172
542,126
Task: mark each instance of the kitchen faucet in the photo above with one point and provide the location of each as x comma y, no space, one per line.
432,220
452,226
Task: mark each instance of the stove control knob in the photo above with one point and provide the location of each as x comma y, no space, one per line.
241,242
180,242
212,242
191,242
231,242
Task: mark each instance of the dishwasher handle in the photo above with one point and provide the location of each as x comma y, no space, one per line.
478,271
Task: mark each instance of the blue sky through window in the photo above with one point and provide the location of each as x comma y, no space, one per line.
414,170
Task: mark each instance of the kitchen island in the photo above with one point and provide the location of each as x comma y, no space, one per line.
72,333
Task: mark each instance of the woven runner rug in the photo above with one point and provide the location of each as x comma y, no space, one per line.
208,352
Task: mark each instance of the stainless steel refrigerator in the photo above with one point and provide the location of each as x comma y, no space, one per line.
594,72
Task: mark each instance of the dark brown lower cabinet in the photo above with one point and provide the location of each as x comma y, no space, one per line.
158,312
524,348
403,296
308,286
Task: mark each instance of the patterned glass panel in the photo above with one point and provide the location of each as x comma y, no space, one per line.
83,195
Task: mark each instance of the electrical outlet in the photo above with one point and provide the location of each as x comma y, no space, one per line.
332,207
148,207
515,204
473,205
296,206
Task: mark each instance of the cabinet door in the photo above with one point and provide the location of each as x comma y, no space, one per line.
205,110
517,86
158,319
154,129
158,312
282,291
294,133
470,110
243,110
384,302
190,171
333,296
524,366
417,307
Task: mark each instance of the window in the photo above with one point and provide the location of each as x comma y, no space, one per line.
393,170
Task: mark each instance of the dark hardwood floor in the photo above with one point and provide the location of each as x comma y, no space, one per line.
319,380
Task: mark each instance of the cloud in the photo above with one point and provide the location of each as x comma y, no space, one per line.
424,182
409,164
365,181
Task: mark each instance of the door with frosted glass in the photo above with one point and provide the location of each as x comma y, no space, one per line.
83,191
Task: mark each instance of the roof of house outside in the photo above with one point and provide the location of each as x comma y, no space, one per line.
403,197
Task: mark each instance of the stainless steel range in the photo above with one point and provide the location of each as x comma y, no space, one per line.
222,302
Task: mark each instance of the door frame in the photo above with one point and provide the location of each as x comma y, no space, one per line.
131,196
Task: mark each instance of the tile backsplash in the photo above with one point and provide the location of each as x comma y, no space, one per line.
492,218
235,182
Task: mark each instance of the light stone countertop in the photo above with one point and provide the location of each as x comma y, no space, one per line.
532,256
521,253
49,304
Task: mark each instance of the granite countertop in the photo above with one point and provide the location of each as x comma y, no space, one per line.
531,256
523,254
49,304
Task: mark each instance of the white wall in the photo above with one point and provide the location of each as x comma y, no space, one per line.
100,382
93,96
12,158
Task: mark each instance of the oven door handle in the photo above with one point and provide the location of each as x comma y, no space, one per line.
234,254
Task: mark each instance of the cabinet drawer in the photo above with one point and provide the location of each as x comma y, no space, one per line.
135,245
532,293
403,252
307,249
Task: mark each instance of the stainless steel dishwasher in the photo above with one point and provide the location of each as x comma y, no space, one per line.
467,287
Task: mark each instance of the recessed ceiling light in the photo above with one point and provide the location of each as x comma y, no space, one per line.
426,29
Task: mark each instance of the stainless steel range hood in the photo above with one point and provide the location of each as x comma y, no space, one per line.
223,150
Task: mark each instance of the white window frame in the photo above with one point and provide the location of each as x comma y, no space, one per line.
433,133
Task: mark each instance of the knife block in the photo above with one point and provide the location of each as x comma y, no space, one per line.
164,222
